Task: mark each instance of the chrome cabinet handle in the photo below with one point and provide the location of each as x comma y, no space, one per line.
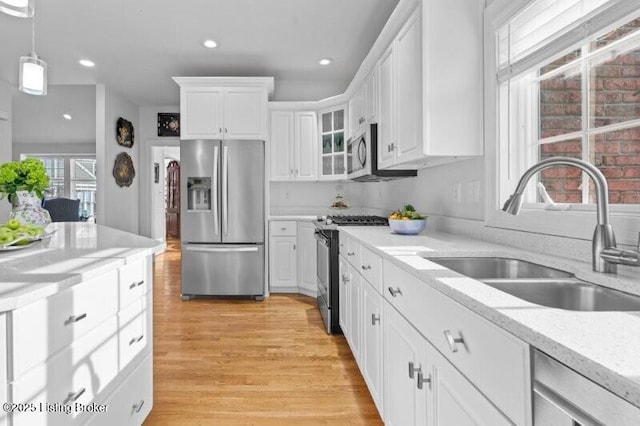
453,341
294,246
345,278
136,284
422,380
75,318
136,339
283,229
220,130
297,172
137,407
350,253
393,146
395,292
73,396
225,130
413,369
374,319
366,268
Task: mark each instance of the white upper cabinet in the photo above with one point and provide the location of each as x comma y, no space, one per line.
294,146
371,96
333,150
356,111
224,108
386,119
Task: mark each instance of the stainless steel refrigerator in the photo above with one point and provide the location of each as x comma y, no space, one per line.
222,218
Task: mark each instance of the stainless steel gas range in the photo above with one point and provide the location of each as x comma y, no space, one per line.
327,273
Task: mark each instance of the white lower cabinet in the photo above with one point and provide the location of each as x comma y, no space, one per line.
343,296
405,356
292,257
371,350
355,315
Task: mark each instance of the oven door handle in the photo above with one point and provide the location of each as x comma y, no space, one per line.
321,238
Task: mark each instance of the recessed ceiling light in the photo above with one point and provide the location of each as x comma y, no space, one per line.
67,116
87,63
209,44
325,61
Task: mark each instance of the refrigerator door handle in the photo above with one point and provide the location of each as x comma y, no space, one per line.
221,249
225,189
216,205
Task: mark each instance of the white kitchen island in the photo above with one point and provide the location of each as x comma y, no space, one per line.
76,328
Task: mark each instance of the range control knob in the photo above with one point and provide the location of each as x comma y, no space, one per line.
329,222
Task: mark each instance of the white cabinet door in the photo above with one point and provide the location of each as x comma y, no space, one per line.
201,112
371,96
386,121
404,348
407,53
343,295
282,264
355,315
454,400
307,257
372,342
281,145
244,114
356,111
306,143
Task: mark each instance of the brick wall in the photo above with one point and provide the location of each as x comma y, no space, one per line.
614,97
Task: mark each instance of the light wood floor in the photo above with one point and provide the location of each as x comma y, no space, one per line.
228,362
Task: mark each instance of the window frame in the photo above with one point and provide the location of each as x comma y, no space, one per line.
501,178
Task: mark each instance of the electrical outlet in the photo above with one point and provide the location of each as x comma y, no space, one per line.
457,192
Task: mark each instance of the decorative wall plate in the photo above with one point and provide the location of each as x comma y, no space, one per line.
168,124
123,170
124,133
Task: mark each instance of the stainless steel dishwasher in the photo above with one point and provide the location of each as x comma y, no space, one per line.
563,397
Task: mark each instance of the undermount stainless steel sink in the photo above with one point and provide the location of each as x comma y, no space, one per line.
540,284
498,267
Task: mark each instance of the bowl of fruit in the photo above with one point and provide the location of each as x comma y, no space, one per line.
407,221
14,234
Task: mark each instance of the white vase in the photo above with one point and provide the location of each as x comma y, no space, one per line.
27,209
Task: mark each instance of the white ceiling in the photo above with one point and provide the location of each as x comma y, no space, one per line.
138,45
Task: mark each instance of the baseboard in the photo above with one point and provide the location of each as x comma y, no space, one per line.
275,290
307,290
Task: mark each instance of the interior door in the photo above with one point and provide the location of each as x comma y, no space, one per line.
173,200
200,209
242,188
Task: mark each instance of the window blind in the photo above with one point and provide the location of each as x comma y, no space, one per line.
545,28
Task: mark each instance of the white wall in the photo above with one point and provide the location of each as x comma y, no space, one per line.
312,198
432,191
53,148
5,136
38,119
148,138
117,207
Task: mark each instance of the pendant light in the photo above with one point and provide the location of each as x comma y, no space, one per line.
33,70
19,8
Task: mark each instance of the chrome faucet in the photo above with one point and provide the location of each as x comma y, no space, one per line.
605,254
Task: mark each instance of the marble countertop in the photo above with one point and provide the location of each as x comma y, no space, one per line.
73,253
307,218
602,346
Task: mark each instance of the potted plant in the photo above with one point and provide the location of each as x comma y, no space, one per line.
23,183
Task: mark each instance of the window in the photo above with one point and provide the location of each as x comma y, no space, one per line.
71,176
569,85
333,152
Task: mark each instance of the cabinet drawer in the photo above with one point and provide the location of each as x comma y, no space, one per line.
75,375
492,359
283,228
133,334
131,402
132,282
352,252
371,268
46,326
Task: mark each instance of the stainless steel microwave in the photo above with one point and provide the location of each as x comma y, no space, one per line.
362,158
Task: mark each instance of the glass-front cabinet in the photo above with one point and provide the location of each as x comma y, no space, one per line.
333,164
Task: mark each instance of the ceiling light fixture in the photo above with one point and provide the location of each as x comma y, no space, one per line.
67,116
325,61
19,8
33,70
87,63
209,44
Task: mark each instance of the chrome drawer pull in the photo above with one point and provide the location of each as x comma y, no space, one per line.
395,292
137,407
366,268
136,339
374,319
73,396
136,284
422,380
413,370
453,341
73,319
345,278
283,229
350,253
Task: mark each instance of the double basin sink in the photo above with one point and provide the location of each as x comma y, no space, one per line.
540,284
